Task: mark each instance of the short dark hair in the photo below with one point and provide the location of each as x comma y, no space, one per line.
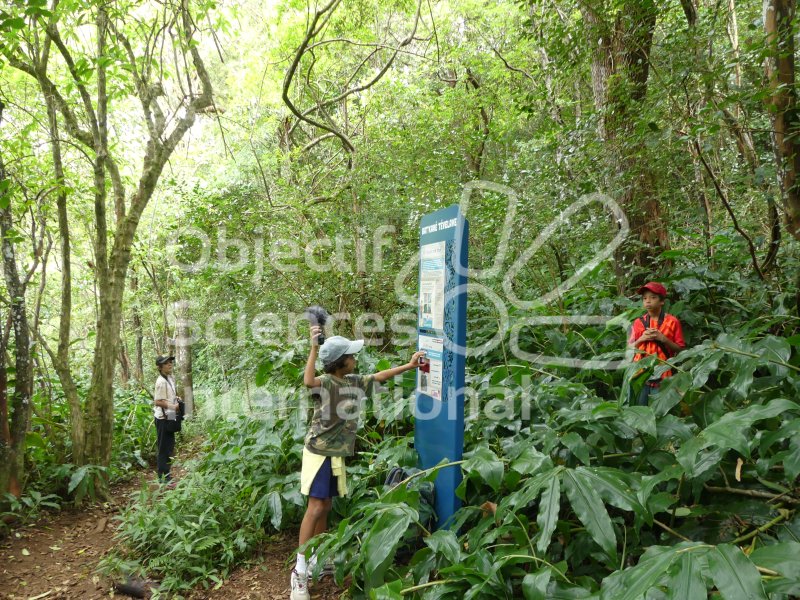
337,364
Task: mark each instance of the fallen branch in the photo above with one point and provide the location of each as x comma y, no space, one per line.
743,538
752,494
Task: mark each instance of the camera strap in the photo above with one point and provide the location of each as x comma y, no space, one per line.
645,319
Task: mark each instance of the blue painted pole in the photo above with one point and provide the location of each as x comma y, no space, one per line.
442,334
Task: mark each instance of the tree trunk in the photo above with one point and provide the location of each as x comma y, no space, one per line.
183,356
779,25
124,361
704,205
12,449
99,413
5,430
620,71
138,368
61,358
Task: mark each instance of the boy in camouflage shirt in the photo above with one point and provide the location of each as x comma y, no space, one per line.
337,396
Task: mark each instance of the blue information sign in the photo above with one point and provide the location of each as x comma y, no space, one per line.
442,334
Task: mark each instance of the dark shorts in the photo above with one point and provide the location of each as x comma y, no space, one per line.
325,482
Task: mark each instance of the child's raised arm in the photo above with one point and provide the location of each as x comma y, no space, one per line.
309,376
382,376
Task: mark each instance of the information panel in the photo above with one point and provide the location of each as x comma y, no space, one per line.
442,322
431,286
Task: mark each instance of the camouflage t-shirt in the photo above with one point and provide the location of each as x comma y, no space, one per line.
337,406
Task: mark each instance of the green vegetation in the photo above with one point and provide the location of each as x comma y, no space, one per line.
187,177
593,496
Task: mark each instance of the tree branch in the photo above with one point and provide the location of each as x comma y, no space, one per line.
752,494
55,36
306,45
312,30
727,205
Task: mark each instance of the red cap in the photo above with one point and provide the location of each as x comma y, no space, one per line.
654,287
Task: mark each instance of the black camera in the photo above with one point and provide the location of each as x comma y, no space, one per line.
316,315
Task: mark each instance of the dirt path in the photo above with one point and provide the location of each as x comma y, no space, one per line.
268,579
55,559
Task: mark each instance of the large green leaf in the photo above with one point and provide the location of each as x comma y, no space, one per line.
534,585
577,446
380,543
734,575
527,493
549,507
443,592
445,543
776,350
672,391
590,510
705,367
264,370
641,418
389,591
783,558
717,433
791,459
562,591
484,465
77,478
634,582
730,431
529,461
687,579
742,368
614,486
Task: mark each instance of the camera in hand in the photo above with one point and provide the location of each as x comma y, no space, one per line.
316,315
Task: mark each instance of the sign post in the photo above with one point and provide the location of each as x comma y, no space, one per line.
442,334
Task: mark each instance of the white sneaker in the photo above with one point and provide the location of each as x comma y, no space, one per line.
300,586
328,567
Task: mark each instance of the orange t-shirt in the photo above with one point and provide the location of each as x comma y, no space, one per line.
670,327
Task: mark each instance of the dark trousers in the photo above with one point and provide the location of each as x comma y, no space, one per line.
165,444
644,394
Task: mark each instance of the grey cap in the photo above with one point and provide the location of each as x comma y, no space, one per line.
337,346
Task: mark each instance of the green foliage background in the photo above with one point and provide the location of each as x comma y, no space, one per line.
694,495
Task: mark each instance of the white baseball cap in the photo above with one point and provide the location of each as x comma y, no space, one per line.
337,346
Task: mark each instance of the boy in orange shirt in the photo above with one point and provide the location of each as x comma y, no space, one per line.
655,332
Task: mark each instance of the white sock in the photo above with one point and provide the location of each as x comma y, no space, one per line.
301,567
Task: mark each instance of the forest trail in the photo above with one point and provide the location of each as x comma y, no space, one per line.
55,559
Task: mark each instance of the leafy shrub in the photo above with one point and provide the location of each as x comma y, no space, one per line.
27,508
245,484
